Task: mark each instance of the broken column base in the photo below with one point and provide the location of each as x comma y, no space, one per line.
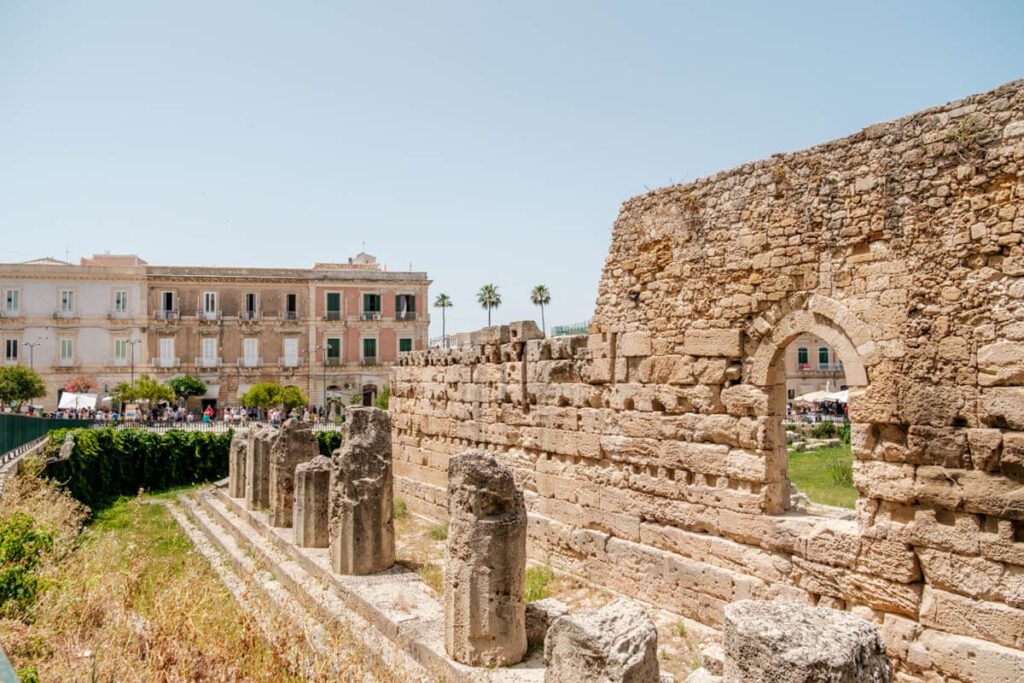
312,499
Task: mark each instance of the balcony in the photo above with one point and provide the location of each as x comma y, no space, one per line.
405,315
332,315
116,362
290,315
168,314
369,315
368,360
288,362
249,315
207,362
332,360
117,315
64,315
244,362
810,369
166,362
68,362
209,315
10,313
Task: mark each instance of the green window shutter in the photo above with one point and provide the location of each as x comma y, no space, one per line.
333,301
802,356
376,303
369,348
405,344
412,303
333,348
823,355
366,302
398,303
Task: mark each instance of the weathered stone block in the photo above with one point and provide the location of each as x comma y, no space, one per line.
1001,363
524,330
236,463
257,467
786,642
361,509
312,503
295,444
539,616
713,342
1003,407
633,344
485,563
617,642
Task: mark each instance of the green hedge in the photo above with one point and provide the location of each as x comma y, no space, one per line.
328,442
108,463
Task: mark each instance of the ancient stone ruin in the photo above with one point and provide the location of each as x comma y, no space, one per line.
312,502
257,467
651,452
485,563
617,642
361,502
295,444
236,463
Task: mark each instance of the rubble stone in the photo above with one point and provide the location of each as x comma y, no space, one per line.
485,563
539,615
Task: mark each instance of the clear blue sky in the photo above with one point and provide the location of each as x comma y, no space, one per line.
480,141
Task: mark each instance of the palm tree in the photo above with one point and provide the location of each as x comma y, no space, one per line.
489,298
443,301
540,296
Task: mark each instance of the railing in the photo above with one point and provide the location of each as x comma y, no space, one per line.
166,362
170,314
67,362
209,315
17,431
206,362
405,315
820,367
217,426
117,362
244,362
290,315
332,360
249,315
332,315
117,315
65,314
369,315
368,360
288,362
10,312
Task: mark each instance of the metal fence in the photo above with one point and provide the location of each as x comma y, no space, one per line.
18,430
217,427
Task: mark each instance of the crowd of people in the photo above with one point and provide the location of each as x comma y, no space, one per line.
231,415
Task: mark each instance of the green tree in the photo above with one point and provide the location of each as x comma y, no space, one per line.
383,398
122,393
150,390
443,301
292,397
263,395
489,298
540,296
187,386
19,384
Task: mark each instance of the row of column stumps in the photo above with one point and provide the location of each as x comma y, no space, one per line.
346,503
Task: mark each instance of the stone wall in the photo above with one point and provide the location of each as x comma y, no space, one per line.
651,452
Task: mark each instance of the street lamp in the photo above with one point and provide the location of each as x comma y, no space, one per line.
32,350
133,342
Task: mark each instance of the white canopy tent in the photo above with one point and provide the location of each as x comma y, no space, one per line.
812,397
72,401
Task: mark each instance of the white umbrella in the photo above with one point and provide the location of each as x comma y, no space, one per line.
838,396
70,400
812,397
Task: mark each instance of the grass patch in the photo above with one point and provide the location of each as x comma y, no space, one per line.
439,532
537,580
401,510
825,475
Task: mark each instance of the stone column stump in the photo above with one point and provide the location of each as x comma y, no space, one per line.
362,526
790,642
257,468
312,501
485,563
617,642
295,444
236,463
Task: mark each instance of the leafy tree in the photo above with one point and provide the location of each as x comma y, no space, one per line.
443,301
122,393
489,298
263,395
19,384
540,296
150,390
81,385
292,397
383,398
186,386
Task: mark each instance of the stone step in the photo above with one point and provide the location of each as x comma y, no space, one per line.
292,598
397,602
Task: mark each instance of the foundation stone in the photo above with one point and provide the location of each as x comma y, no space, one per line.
789,642
236,463
312,502
295,444
485,563
617,642
362,525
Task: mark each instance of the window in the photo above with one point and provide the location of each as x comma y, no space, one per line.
120,349
209,351
11,302
790,393
823,357
333,351
405,307
369,348
120,301
209,304
251,351
291,306
404,345
167,351
371,303
67,350
291,352
167,301
802,357
67,301
11,350
250,306
333,305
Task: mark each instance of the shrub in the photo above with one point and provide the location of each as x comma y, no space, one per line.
439,532
328,442
107,463
844,433
823,430
22,546
535,587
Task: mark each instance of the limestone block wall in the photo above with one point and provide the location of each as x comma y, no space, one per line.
651,452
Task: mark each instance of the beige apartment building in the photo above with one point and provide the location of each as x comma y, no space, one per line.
332,330
812,365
